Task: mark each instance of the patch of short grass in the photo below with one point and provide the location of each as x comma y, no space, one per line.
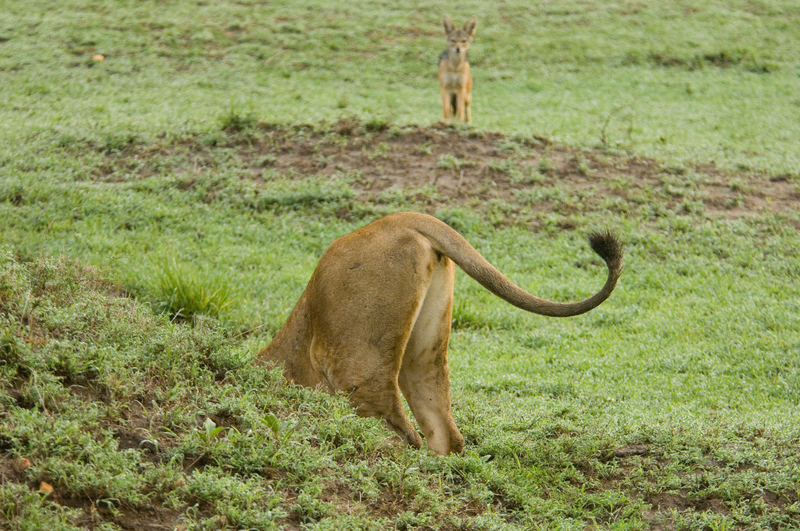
631,415
183,293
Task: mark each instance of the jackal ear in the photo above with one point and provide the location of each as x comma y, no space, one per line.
471,25
449,25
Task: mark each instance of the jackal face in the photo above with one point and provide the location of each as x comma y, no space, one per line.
458,40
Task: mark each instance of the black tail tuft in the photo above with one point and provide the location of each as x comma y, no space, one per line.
607,245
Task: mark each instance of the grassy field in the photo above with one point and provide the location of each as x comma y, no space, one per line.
161,211
701,81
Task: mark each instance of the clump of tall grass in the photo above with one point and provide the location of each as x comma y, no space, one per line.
185,293
236,122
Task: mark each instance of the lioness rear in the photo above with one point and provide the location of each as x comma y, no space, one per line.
375,318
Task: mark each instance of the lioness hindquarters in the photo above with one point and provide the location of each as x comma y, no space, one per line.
375,320
380,306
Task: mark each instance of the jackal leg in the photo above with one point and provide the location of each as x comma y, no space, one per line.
447,108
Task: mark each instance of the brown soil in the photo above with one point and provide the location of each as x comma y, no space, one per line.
632,459
442,165
464,167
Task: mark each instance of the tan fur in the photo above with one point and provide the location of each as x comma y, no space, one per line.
375,317
455,80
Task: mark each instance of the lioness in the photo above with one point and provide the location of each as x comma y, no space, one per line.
375,317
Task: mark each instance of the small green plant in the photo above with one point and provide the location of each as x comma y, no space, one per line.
583,164
510,146
503,166
236,122
376,124
531,174
541,193
545,164
184,293
380,151
449,162
620,183
604,123
280,431
692,206
528,174
210,431
740,185
322,161
277,427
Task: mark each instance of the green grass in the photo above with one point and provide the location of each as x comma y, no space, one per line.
689,364
147,187
183,294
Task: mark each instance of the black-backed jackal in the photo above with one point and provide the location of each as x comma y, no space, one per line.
455,80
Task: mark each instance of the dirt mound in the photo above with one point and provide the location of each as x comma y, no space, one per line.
461,166
519,179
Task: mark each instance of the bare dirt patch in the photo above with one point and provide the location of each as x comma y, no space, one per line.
443,165
639,467
467,165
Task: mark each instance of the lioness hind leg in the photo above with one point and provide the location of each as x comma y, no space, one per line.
368,374
381,399
424,375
